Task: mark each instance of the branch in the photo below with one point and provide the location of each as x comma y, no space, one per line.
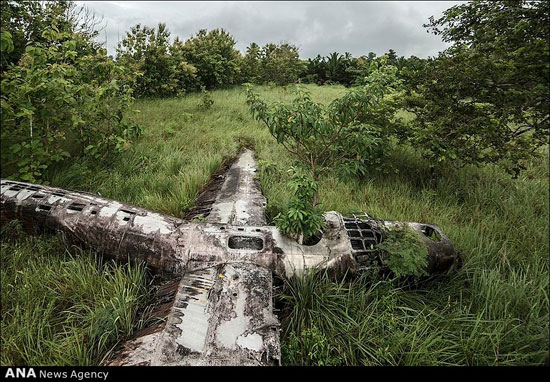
517,134
338,157
284,144
341,156
528,128
335,138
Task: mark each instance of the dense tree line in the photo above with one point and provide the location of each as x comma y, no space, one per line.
347,70
210,60
483,100
207,60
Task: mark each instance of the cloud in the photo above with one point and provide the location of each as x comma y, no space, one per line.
315,27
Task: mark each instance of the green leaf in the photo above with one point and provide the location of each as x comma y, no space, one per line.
6,42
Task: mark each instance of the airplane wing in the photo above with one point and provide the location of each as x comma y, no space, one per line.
221,315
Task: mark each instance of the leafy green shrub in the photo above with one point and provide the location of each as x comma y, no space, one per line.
206,100
310,348
405,252
57,94
349,134
301,217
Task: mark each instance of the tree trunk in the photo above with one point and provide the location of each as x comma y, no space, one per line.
316,179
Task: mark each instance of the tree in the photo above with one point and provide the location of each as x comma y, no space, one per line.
215,57
350,133
22,23
359,68
315,70
392,57
410,71
185,74
251,66
336,68
485,99
61,88
160,67
281,63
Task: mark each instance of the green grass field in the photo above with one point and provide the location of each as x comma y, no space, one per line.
65,308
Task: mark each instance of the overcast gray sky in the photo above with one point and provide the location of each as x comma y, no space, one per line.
315,27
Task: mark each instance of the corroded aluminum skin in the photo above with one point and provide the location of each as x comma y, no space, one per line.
118,230
223,315
223,310
168,244
125,232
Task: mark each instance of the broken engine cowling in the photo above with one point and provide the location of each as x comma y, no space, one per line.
125,232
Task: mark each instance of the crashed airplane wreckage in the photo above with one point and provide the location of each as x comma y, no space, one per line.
221,311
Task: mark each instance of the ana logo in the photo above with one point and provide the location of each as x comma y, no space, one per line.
20,372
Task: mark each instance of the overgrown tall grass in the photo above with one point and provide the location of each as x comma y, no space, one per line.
494,311
181,146
63,305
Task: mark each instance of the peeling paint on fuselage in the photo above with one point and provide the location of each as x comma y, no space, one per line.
110,209
153,223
